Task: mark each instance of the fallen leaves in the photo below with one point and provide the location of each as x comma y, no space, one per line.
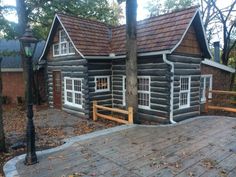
209,163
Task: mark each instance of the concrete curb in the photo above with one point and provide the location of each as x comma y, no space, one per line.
10,170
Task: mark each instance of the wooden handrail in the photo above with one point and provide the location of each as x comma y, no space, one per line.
222,108
96,114
222,92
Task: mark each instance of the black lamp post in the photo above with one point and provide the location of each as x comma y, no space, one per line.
28,44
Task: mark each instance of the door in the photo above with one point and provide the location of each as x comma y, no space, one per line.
57,89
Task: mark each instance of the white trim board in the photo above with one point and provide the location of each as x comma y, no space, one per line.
218,65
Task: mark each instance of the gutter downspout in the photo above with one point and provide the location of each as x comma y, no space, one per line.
171,89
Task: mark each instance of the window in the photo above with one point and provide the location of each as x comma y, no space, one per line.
184,95
206,84
143,91
102,83
73,91
64,47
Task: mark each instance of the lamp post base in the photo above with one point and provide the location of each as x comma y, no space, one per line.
31,159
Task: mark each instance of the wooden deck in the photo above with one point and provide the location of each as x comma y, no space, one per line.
196,148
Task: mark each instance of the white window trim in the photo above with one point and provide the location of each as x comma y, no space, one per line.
73,91
108,84
203,100
149,92
188,91
59,46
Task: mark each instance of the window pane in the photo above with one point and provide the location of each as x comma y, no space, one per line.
102,83
69,97
77,85
71,48
63,48
68,84
63,36
78,98
184,83
183,99
56,49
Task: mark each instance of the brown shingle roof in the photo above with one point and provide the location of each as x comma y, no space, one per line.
160,33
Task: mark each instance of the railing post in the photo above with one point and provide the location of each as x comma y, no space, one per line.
94,111
207,101
130,115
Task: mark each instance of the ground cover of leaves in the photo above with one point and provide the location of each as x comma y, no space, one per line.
51,126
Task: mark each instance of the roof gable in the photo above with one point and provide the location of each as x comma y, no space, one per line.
156,34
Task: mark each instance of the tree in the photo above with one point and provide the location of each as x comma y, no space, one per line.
154,7
131,57
2,135
220,20
173,5
40,14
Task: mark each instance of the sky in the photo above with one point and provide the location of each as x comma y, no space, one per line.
141,12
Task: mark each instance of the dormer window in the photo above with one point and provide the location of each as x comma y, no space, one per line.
64,46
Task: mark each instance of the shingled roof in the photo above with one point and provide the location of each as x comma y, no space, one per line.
14,61
161,33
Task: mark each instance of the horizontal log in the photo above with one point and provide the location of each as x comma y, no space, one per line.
159,101
190,109
159,95
160,107
66,58
184,59
182,117
187,72
186,66
153,112
68,68
74,75
160,84
99,73
148,117
160,90
97,66
68,63
161,78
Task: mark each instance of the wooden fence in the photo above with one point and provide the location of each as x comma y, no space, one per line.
226,100
96,114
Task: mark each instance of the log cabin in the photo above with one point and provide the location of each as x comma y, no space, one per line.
86,62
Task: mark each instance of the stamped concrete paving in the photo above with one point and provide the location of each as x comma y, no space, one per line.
199,147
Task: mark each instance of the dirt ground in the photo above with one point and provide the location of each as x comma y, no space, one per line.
51,126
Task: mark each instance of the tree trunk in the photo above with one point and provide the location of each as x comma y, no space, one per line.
131,58
2,136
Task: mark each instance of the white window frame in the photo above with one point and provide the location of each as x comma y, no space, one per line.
185,91
73,92
67,42
203,99
143,91
108,83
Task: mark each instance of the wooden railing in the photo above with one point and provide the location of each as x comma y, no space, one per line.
114,110
225,102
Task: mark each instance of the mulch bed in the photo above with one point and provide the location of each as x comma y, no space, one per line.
15,125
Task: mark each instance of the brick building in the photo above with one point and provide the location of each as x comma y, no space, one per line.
12,72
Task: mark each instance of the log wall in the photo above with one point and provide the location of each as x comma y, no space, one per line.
186,66
99,67
160,75
70,66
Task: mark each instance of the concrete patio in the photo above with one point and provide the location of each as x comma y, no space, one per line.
196,147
